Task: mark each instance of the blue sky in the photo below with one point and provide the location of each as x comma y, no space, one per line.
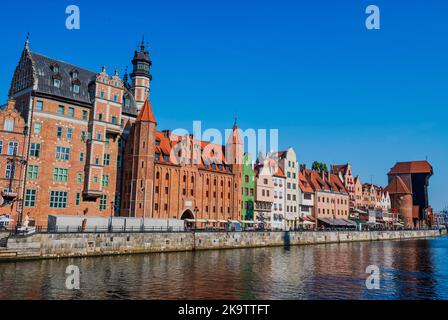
336,91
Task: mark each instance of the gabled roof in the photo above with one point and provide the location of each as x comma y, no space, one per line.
210,156
329,182
397,186
412,167
43,71
146,114
280,173
342,168
304,185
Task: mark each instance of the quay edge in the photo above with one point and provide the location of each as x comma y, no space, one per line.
54,246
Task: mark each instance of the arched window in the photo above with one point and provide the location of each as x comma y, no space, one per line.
246,178
185,179
167,177
192,179
158,175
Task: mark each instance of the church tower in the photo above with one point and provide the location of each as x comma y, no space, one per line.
141,76
234,158
139,187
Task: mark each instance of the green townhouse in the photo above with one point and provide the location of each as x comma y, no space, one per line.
248,185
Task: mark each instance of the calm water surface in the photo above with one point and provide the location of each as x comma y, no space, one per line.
414,269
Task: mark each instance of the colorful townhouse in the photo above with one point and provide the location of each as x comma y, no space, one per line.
287,160
306,199
264,190
278,208
248,187
331,200
345,174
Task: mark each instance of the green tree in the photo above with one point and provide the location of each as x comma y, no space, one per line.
319,166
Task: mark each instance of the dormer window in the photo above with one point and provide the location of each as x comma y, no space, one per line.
56,68
75,75
57,83
76,88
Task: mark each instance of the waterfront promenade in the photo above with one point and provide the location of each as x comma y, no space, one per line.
65,245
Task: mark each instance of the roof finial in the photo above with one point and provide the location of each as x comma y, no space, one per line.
142,45
235,125
27,41
125,76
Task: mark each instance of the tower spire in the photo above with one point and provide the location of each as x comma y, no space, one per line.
27,41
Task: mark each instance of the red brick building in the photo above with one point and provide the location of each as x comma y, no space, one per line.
408,189
90,147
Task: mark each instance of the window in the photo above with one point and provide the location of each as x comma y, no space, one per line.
39,106
1,147
9,171
60,174
61,110
76,88
103,203
58,199
78,199
62,153
69,133
115,98
33,172
57,83
79,177
71,112
75,75
102,94
30,198
105,181
13,148
35,150
81,157
98,136
95,179
83,136
9,125
59,132
84,115
37,127
100,116
114,120
107,159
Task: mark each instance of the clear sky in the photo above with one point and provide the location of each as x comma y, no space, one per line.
336,91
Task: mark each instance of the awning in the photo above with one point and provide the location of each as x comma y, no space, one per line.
308,223
338,222
212,221
222,221
248,222
360,211
234,221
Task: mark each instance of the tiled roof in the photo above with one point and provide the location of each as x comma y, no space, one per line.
412,167
323,183
147,115
397,186
43,71
280,173
304,185
339,168
215,161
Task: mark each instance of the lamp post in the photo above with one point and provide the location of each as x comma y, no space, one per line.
196,212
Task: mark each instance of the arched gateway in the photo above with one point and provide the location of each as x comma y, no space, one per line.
188,216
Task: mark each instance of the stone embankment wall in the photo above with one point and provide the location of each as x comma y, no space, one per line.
43,246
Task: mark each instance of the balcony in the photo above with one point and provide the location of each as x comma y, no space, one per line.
92,194
113,128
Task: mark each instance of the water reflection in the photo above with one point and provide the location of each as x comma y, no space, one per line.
415,269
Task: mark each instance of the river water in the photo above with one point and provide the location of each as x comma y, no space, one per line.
412,269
